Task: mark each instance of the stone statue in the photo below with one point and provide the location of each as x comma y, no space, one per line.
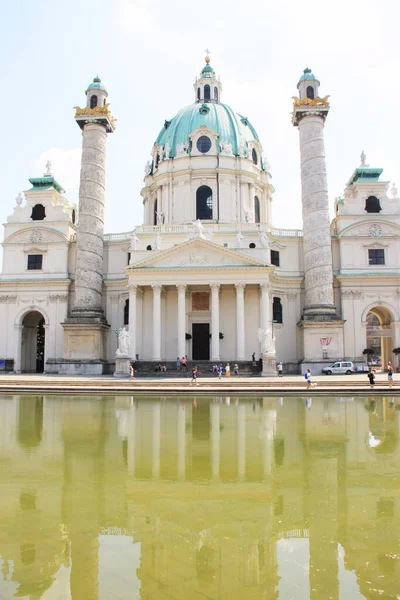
160,218
267,341
157,242
181,150
394,191
198,230
363,159
167,150
247,215
19,199
48,169
263,239
123,342
239,239
226,148
134,241
147,169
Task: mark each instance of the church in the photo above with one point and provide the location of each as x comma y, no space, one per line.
207,275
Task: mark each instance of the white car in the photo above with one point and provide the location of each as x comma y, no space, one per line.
341,367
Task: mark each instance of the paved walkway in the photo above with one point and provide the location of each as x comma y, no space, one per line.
356,384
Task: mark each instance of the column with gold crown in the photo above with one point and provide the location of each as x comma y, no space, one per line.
85,329
320,320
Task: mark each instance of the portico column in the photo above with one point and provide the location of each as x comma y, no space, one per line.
17,348
181,319
156,321
215,321
264,306
132,320
240,352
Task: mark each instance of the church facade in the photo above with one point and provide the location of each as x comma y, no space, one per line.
207,275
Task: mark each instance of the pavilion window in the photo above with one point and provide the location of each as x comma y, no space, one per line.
216,94
198,93
310,92
38,213
204,203
207,92
93,101
372,205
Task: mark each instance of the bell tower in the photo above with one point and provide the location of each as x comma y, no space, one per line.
84,330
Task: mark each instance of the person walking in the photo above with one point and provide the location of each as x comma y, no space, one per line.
253,357
219,371
279,367
390,374
371,377
227,370
307,377
195,372
183,363
236,369
131,372
178,363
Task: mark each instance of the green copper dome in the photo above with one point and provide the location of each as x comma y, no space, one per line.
308,75
231,127
96,85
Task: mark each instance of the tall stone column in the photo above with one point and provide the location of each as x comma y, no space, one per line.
309,114
132,319
157,322
215,321
240,331
181,320
84,330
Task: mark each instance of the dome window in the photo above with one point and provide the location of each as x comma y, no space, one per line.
38,213
198,93
310,92
155,209
73,216
256,209
216,94
207,93
204,203
93,101
203,144
254,156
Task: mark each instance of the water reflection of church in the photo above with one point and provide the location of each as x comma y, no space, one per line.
250,479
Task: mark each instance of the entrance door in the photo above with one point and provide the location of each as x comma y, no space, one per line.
201,341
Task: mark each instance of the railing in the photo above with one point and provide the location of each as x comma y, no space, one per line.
244,228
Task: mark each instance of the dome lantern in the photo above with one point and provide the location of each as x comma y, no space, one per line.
96,93
207,88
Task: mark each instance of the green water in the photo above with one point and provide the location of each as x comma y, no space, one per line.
214,498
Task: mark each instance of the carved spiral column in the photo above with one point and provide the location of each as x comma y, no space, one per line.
89,245
316,223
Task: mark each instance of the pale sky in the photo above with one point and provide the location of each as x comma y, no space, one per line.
148,52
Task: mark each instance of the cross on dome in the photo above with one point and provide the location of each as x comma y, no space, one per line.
207,58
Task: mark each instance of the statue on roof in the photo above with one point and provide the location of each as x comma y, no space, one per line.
363,159
395,191
133,241
48,169
198,230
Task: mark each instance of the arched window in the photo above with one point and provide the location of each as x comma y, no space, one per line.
207,92
254,156
126,312
372,205
73,216
198,93
204,203
256,210
310,92
216,94
155,212
38,213
93,101
277,313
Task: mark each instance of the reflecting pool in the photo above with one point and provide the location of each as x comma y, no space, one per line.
163,498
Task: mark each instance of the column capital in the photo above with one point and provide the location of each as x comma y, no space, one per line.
181,287
240,285
292,297
214,287
264,286
157,287
132,287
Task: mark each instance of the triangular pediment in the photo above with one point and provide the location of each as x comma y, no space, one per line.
197,253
